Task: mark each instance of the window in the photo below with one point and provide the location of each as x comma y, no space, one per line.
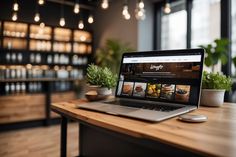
205,21
174,27
233,34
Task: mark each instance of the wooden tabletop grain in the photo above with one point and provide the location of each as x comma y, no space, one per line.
216,137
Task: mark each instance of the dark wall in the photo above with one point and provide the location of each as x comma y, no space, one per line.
49,13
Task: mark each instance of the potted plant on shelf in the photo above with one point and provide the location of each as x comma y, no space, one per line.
214,86
101,81
215,52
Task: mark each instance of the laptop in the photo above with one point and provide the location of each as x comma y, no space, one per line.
155,85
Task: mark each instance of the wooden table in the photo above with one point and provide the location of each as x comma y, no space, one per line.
108,135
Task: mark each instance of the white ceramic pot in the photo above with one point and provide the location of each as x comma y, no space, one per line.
100,90
104,91
212,97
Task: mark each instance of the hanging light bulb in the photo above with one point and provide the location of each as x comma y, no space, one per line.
42,25
14,16
127,16
140,11
81,24
105,4
125,12
37,17
167,8
76,8
90,19
141,4
15,6
62,21
41,2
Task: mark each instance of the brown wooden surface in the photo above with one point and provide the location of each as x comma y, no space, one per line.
38,142
18,108
59,97
216,137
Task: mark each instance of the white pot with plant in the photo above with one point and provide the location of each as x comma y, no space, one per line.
214,86
100,80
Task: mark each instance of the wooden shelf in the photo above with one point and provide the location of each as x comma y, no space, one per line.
48,41
39,80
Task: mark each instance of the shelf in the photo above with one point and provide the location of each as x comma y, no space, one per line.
39,45
39,80
39,32
15,29
82,36
62,34
14,43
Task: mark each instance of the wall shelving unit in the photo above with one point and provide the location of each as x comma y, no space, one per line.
39,63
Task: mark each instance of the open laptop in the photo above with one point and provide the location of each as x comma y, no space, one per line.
155,85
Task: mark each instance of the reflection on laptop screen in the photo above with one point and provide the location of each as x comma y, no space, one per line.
168,78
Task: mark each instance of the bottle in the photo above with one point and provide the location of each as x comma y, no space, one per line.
7,88
18,73
18,87
49,59
23,87
32,58
37,58
13,73
12,88
19,57
7,73
13,57
8,57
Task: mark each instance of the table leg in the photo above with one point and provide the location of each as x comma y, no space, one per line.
64,122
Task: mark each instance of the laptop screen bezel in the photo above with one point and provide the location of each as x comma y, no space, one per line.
165,53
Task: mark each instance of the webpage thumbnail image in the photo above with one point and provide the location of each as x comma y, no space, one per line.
139,89
153,90
167,91
182,93
127,89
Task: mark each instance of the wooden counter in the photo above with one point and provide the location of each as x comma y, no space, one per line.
216,137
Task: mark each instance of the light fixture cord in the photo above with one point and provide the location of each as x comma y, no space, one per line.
62,9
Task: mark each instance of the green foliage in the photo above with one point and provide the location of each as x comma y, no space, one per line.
216,81
216,51
234,61
110,55
101,76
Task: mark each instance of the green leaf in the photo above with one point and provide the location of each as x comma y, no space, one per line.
216,81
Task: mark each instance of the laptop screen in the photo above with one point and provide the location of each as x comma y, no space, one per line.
167,76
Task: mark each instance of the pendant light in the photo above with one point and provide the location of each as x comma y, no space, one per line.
62,21
14,16
37,15
125,11
105,4
140,11
167,8
90,19
15,6
81,24
76,7
41,2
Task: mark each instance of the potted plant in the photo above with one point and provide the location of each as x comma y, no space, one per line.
215,52
110,54
214,86
101,80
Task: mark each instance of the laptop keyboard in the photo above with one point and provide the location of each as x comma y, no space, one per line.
156,107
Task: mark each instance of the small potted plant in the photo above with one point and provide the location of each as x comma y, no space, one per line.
214,86
100,80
